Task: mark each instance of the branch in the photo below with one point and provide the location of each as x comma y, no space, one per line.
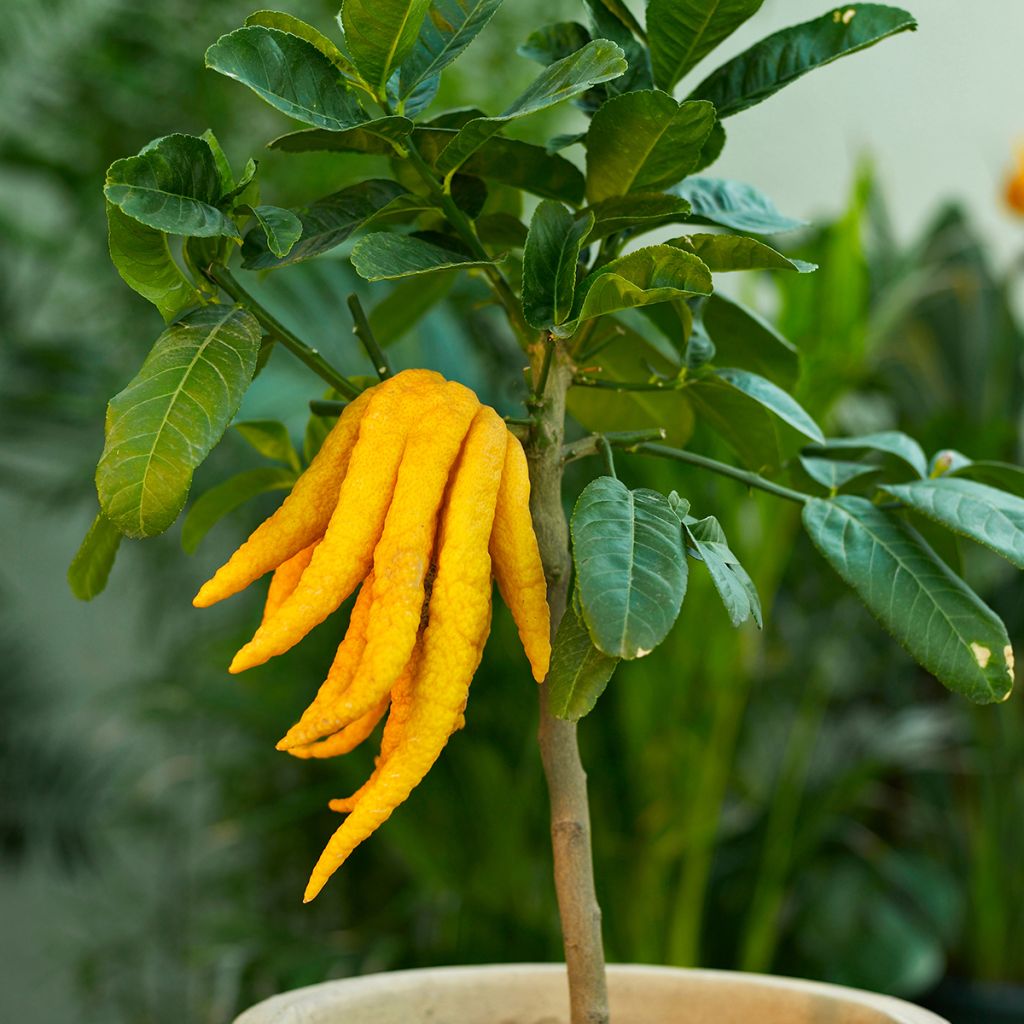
362,330
222,277
723,469
628,439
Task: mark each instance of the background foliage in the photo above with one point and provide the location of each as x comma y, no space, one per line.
155,838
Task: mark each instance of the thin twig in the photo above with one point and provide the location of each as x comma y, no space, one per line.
325,407
606,456
222,277
581,380
362,330
627,439
723,469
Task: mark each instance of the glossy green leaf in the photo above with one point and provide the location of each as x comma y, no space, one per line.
944,625
1004,475
162,426
173,185
381,34
501,230
382,256
406,304
785,56
596,62
227,178
281,228
418,100
741,421
733,205
213,505
630,566
296,27
271,439
713,146
778,402
642,211
325,224
579,671
743,338
986,515
890,442
734,585
449,27
683,32
644,141
90,568
290,73
550,262
509,161
723,253
832,473
651,274
144,261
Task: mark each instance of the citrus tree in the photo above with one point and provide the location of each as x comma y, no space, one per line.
413,488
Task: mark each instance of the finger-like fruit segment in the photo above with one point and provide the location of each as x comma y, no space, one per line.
517,564
285,579
345,554
344,740
302,517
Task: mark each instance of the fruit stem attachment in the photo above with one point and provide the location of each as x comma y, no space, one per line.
364,332
567,782
223,278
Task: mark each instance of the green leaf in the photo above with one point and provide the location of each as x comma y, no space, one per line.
891,442
832,473
549,263
636,213
380,34
501,230
325,224
651,274
611,19
944,625
683,32
291,74
271,439
1004,475
723,253
449,27
90,568
172,414
596,62
741,421
227,179
745,339
785,56
644,141
418,100
509,161
406,304
296,27
382,256
774,399
733,205
734,586
213,505
713,147
986,515
579,671
144,261
173,185
630,566
281,228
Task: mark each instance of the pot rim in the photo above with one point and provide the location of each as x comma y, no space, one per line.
900,1011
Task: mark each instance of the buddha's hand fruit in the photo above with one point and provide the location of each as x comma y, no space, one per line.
420,493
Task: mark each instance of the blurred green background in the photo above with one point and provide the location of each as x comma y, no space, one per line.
802,801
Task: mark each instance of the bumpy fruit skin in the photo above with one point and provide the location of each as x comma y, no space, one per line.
458,619
421,495
301,519
517,564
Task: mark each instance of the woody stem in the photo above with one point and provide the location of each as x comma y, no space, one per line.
566,780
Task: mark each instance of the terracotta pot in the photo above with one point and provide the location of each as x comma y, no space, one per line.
536,994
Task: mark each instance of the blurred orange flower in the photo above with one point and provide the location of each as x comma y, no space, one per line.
1015,184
